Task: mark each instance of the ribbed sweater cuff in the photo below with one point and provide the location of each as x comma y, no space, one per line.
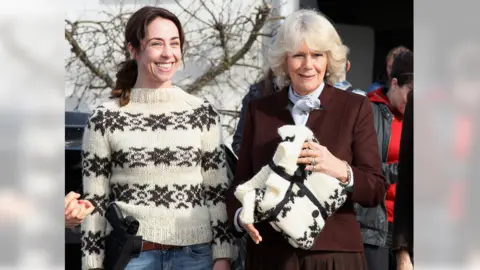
93,261
223,251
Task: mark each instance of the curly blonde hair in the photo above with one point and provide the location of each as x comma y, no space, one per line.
318,33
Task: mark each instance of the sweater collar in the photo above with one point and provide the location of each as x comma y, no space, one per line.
149,96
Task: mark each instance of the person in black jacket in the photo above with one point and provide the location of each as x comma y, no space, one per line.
262,88
403,212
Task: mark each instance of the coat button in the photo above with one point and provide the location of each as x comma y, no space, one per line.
315,214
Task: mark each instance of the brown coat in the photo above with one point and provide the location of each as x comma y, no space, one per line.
345,126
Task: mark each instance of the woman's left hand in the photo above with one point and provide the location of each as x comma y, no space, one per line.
221,264
319,159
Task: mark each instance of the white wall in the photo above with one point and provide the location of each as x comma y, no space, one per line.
361,42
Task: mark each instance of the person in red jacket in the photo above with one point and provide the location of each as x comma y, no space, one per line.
388,107
394,120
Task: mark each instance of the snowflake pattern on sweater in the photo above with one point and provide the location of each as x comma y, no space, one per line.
159,158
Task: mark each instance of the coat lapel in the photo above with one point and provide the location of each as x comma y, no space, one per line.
281,107
316,119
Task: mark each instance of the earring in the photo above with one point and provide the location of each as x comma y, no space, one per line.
327,74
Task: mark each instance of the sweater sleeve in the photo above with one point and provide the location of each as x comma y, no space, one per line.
96,175
215,183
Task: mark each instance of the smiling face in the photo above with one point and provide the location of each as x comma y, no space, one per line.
159,56
306,69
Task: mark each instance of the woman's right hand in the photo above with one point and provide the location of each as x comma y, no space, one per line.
251,230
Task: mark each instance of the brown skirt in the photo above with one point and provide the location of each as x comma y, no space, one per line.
305,260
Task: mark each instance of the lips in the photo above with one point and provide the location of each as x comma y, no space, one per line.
164,67
307,76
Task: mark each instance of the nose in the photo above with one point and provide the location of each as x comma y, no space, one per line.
167,51
308,62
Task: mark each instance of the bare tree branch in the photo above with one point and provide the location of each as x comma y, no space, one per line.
265,35
80,53
229,113
247,65
275,18
260,18
192,15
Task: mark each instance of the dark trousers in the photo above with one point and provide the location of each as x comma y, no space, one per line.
380,258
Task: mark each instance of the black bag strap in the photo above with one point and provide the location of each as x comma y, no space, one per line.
298,178
313,199
280,171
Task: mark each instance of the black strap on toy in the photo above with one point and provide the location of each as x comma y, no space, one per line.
298,178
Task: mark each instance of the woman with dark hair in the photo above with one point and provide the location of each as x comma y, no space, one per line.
155,151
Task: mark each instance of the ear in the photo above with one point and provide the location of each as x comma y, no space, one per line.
348,66
132,51
394,83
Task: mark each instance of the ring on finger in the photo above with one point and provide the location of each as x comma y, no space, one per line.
313,163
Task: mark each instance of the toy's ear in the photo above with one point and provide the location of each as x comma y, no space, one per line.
287,132
304,133
297,135
289,139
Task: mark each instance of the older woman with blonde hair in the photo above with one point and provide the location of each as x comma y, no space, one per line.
308,58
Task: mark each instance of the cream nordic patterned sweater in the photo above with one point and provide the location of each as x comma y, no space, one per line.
160,159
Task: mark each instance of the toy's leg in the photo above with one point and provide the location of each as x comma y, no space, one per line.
248,211
246,194
258,181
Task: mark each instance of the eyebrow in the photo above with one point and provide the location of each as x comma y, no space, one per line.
161,39
311,52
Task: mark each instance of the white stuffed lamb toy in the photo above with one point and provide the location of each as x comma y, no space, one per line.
295,202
